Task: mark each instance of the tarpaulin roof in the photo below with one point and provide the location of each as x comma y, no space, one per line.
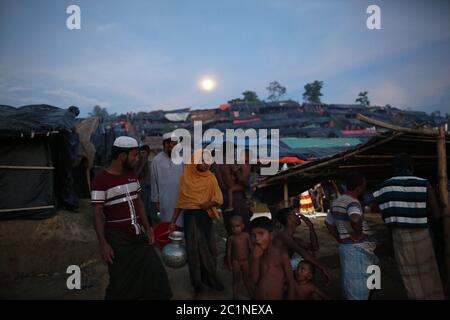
176,117
36,118
320,142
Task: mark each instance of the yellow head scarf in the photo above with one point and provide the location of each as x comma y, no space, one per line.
198,187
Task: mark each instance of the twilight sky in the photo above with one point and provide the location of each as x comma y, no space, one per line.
151,54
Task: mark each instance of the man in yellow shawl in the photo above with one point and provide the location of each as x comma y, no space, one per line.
198,199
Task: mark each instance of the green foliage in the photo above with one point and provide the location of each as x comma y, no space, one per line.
276,91
100,112
312,92
363,99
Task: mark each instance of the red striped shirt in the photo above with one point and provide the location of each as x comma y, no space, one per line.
119,196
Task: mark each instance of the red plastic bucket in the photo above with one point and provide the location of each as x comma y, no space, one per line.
161,232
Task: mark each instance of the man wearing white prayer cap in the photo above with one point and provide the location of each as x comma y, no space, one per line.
165,179
123,230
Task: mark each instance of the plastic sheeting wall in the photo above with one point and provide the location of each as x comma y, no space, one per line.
26,188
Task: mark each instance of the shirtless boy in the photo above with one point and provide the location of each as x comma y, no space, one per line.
239,247
271,270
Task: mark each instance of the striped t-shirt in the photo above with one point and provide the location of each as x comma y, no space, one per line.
403,201
339,216
119,196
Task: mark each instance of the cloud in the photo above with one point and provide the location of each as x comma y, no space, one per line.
18,89
71,97
106,27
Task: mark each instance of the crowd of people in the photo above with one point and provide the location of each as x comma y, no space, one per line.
261,250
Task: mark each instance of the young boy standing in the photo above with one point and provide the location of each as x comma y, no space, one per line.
239,247
271,270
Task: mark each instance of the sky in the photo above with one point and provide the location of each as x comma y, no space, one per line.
151,54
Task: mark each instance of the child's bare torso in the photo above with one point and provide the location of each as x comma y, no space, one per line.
271,284
305,291
240,249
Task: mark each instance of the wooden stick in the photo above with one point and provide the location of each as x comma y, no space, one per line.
363,156
26,168
29,208
286,193
366,165
443,195
422,131
88,178
419,140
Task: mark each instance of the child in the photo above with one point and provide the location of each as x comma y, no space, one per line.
305,289
240,174
285,241
239,247
270,269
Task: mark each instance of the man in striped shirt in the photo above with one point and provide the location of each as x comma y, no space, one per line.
346,224
405,202
123,231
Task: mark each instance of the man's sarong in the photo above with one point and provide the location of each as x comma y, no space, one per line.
355,258
137,271
415,257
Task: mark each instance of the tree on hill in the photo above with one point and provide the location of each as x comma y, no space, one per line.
313,92
276,91
362,99
100,112
250,96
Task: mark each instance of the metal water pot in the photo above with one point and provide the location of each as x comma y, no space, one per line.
174,254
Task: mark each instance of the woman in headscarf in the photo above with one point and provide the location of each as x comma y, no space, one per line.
198,199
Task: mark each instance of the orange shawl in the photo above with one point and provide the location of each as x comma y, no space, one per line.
198,187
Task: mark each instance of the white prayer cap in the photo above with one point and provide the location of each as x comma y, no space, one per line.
261,214
170,135
125,142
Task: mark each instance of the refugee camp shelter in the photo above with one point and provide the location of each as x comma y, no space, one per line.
372,158
38,145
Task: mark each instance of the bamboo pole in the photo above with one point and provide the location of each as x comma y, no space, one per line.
27,168
421,131
88,178
375,165
444,197
364,156
29,208
286,193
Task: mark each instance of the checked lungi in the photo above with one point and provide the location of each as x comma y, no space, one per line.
415,257
355,258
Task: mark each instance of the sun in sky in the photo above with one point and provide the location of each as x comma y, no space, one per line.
207,83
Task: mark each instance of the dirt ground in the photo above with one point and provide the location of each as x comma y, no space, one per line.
94,276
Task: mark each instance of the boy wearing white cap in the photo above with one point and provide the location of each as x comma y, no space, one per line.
123,231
